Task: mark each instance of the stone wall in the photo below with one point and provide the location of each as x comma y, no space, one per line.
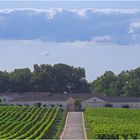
115,104
61,104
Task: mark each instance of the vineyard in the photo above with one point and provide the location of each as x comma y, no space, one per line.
24,122
112,123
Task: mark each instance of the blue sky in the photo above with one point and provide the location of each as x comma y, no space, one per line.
98,36
70,4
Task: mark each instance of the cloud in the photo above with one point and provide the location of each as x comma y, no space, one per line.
102,39
45,53
117,26
134,30
3,21
134,27
94,57
81,12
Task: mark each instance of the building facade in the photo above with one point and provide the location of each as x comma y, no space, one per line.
117,102
67,101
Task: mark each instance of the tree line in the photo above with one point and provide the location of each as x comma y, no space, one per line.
62,78
45,78
127,83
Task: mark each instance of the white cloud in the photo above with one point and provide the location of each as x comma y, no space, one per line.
116,11
82,12
3,22
49,12
94,57
26,42
134,27
100,39
71,25
52,11
50,44
45,53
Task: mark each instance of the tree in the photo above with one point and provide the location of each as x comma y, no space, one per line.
106,83
4,81
127,83
42,77
20,80
77,104
108,105
0,101
69,79
122,81
60,78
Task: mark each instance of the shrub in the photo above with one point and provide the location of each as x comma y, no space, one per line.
39,104
52,105
125,106
60,105
108,105
44,105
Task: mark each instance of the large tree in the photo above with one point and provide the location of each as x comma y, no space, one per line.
127,83
4,81
20,80
105,83
42,77
69,79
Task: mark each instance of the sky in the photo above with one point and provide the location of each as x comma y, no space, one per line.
69,4
97,36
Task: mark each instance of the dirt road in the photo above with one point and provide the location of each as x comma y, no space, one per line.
74,126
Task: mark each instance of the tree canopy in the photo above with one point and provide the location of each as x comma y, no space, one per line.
56,78
127,83
62,78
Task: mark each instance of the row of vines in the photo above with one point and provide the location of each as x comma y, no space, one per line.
24,122
112,123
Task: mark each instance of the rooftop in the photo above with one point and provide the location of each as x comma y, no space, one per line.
51,97
120,99
46,96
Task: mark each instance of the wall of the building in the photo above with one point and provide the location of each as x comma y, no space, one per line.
115,104
61,104
5,98
131,104
92,104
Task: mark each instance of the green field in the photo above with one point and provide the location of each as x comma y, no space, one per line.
112,123
24,122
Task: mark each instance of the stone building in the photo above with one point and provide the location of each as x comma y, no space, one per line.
64,101
68,101
118,102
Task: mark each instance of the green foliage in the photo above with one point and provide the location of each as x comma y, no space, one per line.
30,122
105,83
58,78
77,104
110,123
20,80
38,104
127,83
4,81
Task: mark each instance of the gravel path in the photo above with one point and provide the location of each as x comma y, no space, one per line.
74,127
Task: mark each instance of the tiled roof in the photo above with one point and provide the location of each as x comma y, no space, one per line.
121,99
52,97
45,96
